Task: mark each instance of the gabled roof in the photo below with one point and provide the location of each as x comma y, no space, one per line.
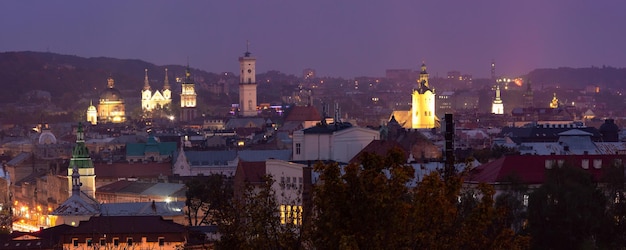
129,225
262,155
252,172
21,157
80,204
530,169
303,113
245,122
203,158
143,208
139,170
142,188
140,149
378,147
328,128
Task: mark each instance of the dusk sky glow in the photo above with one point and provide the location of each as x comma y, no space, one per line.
337,38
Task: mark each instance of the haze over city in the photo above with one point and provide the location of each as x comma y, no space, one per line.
337,38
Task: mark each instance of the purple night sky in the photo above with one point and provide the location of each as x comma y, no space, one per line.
344,38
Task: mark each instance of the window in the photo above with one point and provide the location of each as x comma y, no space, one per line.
75,242
116,241
526,200
298,148
161,241
129,241
89,242
291,214
103,242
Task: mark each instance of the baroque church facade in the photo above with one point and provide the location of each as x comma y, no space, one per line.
111,106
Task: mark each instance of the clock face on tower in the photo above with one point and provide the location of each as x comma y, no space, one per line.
249,71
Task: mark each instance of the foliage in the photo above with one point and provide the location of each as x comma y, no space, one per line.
207,198
372,206
253,221
567,211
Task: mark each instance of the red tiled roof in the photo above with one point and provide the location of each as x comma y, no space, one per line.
251,171
139,170
379,147
303,113
531,168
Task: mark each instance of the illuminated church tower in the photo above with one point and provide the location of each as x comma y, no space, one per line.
92,114
497,107
80,160
187,98
423,103
247,85
555,102
157,100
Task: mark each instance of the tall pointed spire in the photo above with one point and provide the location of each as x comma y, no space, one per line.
146,82
166,84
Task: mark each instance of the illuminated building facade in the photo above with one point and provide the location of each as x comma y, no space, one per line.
159,99
423,103
111,106
247,85
187,98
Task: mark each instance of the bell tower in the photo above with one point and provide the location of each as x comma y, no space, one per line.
247,85
188,98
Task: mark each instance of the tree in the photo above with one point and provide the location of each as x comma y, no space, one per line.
567,211
253,221
373,206
207,198
367,207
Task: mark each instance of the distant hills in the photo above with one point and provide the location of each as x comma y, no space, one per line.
69,77
572,78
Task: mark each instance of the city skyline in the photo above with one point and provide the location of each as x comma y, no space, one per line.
339,39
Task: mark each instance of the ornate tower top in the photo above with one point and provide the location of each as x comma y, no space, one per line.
187,74
110,82
166,84
422,83
555,102
146,82
80,153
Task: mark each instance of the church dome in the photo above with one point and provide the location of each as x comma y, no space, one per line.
111,94
92,108
47,137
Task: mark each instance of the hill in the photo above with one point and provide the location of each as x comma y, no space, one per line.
572,78
69,77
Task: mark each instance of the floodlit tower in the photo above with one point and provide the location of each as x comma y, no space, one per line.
497,107
247,85
423,103
188,98
92,114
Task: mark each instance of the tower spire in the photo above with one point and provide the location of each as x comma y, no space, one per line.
166,82
146,82
247,54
